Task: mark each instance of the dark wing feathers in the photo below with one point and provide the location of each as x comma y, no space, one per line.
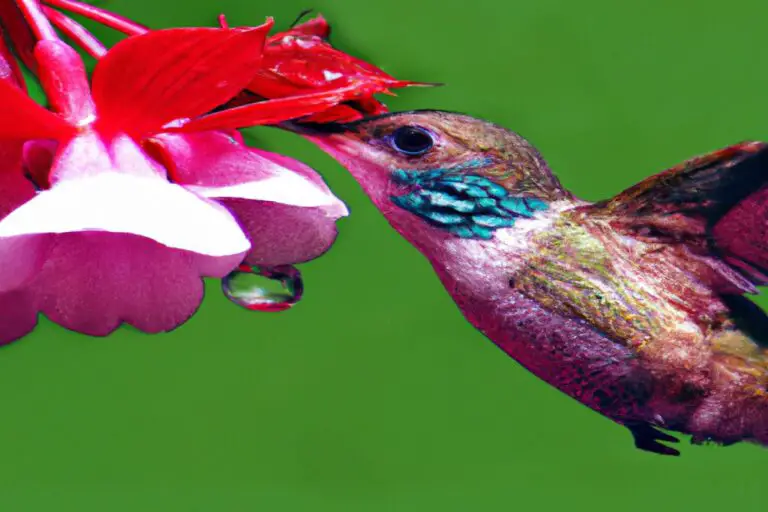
717,204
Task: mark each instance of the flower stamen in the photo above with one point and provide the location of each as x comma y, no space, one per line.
38,22
106,18
78,33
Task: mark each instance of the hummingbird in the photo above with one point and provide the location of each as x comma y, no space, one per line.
635,305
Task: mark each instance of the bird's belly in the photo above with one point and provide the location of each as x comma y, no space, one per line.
575,358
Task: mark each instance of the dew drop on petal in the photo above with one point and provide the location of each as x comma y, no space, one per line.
264,288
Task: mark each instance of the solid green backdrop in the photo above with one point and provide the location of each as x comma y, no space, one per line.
373,394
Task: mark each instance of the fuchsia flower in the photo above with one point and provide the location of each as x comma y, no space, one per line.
298,62
121,197
302,59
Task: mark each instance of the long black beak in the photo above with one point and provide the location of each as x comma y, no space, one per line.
316,129
320,129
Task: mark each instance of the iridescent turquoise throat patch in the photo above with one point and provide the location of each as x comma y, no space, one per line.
468,205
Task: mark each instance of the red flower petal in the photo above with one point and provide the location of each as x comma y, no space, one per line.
337,114
21,118
303,57
353,111
270,112
149,80
301,61
312,63
270,85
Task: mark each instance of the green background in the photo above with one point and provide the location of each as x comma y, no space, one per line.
373,393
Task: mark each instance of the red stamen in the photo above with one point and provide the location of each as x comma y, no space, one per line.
99,15
19,33
38,22
9,66
223,21
60,68
64,80
76,32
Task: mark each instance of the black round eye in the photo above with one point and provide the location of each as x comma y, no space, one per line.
412,140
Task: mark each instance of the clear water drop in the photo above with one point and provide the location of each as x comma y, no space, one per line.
264,288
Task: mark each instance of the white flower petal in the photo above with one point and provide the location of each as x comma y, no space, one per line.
124,203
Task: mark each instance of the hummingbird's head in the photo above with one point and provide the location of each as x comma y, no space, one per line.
432,169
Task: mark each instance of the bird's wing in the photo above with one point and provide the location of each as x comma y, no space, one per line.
716,205
703,228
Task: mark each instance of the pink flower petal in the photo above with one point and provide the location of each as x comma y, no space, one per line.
88,155
285,208
119,243
18,315
21,257
15,190
94,281
215,165
305,172
38,160
282,234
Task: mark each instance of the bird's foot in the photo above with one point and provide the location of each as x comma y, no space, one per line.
648,438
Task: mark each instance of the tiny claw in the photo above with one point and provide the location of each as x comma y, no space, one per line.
647,439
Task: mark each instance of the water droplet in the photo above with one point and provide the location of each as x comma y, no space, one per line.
264,288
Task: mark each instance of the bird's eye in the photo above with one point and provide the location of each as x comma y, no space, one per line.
412,140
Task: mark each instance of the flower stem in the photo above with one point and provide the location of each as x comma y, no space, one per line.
76,32
99,15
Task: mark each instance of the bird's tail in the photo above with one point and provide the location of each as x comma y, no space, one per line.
728,418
